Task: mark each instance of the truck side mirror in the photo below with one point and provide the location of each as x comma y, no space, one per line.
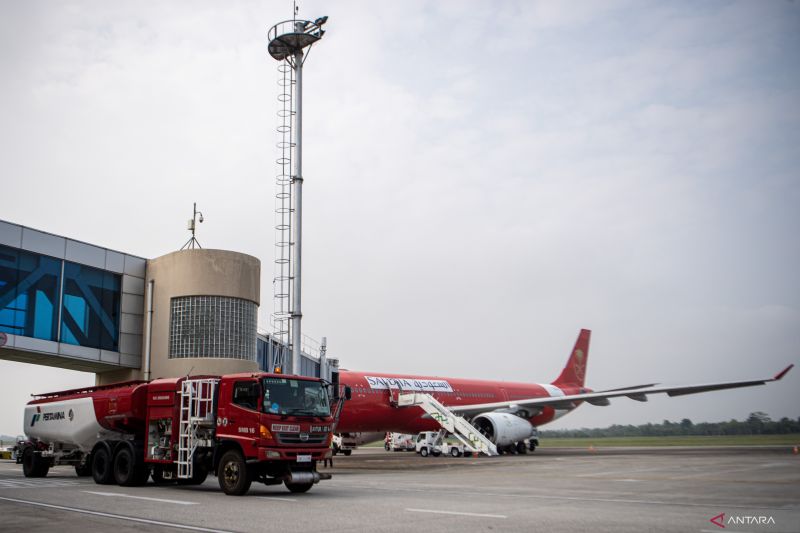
348,393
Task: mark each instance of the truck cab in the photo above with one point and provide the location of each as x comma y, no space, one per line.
271,428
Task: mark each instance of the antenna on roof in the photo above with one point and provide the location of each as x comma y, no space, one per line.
191,225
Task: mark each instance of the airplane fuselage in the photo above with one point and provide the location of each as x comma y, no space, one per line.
370,408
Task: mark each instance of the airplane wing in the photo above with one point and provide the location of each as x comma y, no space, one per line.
638,393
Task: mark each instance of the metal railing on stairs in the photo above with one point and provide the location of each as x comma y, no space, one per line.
458,426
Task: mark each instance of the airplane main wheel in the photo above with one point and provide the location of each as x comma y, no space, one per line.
521,449
347,452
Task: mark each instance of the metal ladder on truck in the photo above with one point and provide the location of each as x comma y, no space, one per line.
473,439
197,411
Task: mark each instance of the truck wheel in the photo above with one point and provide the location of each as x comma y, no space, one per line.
454,452
347,452
33,464
298,487
234,477
127,470
423,452
102,469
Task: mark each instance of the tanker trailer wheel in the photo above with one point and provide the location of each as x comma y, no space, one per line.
102,469
128,471
84,469
233,474
33,464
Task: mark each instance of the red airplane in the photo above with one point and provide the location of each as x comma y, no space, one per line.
505,412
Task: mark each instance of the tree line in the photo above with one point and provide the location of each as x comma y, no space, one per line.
757,423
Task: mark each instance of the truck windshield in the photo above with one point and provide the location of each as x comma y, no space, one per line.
286,396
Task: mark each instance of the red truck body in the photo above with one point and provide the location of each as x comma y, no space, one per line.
248,427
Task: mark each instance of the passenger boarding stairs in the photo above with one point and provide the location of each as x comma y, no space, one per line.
197,415
473,440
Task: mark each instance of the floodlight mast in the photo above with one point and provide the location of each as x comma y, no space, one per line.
287,40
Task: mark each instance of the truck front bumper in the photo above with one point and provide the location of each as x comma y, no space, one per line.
291,454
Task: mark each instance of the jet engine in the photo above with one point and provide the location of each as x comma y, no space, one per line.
503,429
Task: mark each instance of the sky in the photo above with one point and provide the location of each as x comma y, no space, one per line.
482,179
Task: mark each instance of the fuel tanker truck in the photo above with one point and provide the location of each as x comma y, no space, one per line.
263,427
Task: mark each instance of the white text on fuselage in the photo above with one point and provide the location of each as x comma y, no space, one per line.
409,384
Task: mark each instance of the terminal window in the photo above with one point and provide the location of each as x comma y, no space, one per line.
90,314
212,326
36,291
29,294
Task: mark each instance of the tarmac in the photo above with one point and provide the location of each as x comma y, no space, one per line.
553,489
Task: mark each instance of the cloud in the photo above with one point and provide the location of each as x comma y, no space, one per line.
482,179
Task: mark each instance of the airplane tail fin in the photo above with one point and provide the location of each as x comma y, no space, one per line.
575,371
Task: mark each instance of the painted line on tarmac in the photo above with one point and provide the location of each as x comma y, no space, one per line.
122,495
618,472
115,516
434,511
576,498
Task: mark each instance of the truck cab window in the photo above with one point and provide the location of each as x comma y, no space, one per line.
246,393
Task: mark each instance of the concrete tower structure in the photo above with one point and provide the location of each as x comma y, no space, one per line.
201,309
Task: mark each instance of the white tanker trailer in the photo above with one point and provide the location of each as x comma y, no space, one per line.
64,427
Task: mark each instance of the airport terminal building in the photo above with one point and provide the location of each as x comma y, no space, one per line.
69,304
